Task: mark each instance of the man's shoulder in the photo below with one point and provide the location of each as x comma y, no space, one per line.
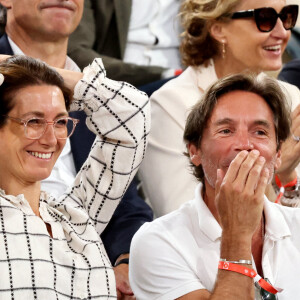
172,224
282,220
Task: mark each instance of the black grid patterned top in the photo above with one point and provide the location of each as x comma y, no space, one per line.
73,263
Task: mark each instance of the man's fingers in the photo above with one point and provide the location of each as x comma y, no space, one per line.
262,183
255,174
235,165
240,167
246,167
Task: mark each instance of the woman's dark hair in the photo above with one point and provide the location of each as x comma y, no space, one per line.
20,71
262,85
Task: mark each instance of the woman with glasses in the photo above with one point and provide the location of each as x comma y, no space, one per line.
51,249
220,37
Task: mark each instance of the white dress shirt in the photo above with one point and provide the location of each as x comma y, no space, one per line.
153,36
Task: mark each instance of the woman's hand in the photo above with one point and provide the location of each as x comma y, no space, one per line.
290,151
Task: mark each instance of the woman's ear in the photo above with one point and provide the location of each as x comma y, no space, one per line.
217,32
195,154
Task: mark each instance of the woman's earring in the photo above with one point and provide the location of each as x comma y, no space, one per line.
223,49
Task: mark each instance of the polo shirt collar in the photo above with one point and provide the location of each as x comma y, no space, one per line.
276,225
207,223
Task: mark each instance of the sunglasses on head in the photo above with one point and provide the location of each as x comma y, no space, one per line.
266,17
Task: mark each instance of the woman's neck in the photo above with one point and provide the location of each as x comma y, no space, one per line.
30,191
225,66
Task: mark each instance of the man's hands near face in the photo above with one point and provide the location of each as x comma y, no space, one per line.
240,194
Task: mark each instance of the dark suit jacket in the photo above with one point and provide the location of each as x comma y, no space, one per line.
102,32
132,211
293,47
291,72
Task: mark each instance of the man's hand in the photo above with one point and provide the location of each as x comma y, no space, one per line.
240,195
124,291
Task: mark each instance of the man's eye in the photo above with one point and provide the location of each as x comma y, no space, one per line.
260,132
225,131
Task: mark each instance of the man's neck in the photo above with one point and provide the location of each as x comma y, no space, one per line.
53,52
209,199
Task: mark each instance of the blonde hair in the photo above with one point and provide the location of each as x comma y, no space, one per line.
197,17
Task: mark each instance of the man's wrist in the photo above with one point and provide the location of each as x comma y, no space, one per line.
122,259
236,246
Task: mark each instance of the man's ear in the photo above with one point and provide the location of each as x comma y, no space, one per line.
278,160
195,154
6,3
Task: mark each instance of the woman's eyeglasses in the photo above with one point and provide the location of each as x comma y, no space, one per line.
35,127
266,17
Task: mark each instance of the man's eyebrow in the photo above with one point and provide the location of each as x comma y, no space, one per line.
224,121
262,123
231,121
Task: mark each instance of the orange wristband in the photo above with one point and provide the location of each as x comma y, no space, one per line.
250,273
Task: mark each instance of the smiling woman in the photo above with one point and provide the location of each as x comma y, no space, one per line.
55,246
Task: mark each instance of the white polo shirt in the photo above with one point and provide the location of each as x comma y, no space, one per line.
179,252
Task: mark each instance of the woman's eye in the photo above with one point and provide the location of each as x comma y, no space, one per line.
35,122
62,122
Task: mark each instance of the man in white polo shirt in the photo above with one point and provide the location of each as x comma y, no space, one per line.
230,242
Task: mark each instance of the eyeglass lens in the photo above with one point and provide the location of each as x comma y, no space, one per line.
266,18
63,128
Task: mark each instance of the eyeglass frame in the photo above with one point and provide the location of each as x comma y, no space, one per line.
25,122
253,13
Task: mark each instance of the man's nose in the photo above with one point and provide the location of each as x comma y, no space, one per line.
243,142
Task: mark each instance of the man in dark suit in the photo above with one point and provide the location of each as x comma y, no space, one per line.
40,29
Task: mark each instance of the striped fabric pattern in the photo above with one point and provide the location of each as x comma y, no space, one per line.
73,264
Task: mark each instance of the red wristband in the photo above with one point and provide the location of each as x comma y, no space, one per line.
250,273
282,187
